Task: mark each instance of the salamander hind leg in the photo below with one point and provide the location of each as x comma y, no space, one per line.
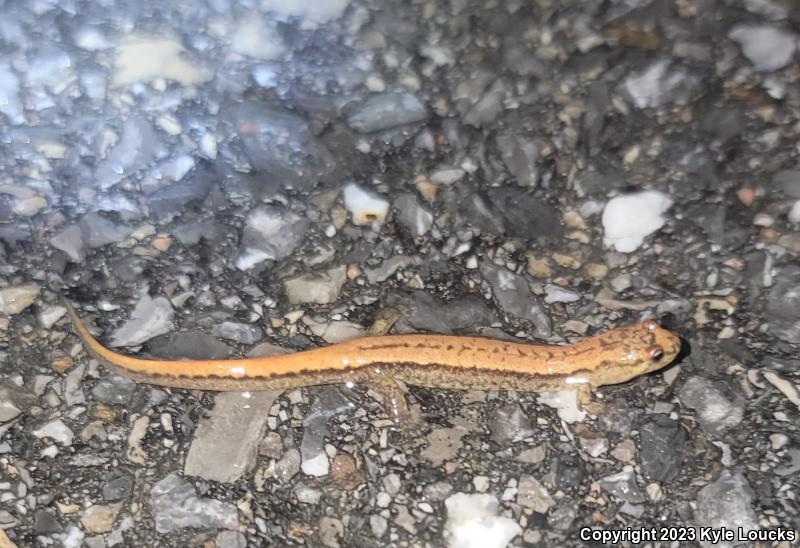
392,393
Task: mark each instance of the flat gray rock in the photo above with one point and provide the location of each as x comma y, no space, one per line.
225,444
151,317
176,506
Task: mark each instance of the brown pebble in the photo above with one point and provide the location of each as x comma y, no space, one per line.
104,412
61,364
426,188
162,242
344,472
624,450
746,195
769,235
567,261
598,271
538,267
6,542
100,518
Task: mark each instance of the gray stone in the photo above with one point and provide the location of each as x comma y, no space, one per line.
55,430
118,487
239,332
557,294
14,400
623,486
279,144
510,424
48,315
231,539
727,503
151,317
710,218
317,288
98,231
190,345
176,506
568,471
270,233
128,268
389,267
11,105
225,444
330,402
512,293
136,149
423,312
174,169
520,156
716,407
45,524
768,48
14,300
511,211
562,516
288,465
114,390
190,233
169,201
488,108
662,442
387,110
412,216
788,182
660,83
70,241
783,305
532,494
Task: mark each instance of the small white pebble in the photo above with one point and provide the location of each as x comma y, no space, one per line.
469,166
473,522
366,207
628,219
763,219
794,213
383,500
654,491
778,440
481,483
375,83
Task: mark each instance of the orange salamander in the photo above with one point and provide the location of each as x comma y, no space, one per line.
427,360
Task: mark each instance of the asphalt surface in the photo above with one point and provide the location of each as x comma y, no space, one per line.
213,180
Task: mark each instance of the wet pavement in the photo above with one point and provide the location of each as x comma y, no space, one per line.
211,180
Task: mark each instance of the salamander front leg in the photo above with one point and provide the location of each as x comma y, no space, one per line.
586,400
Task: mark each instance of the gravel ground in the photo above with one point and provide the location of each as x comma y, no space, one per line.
212,180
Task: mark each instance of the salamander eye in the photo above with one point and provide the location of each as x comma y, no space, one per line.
655,353
649,325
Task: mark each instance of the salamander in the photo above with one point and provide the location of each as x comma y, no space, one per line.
426,360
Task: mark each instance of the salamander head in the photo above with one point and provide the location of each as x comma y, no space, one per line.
638,350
